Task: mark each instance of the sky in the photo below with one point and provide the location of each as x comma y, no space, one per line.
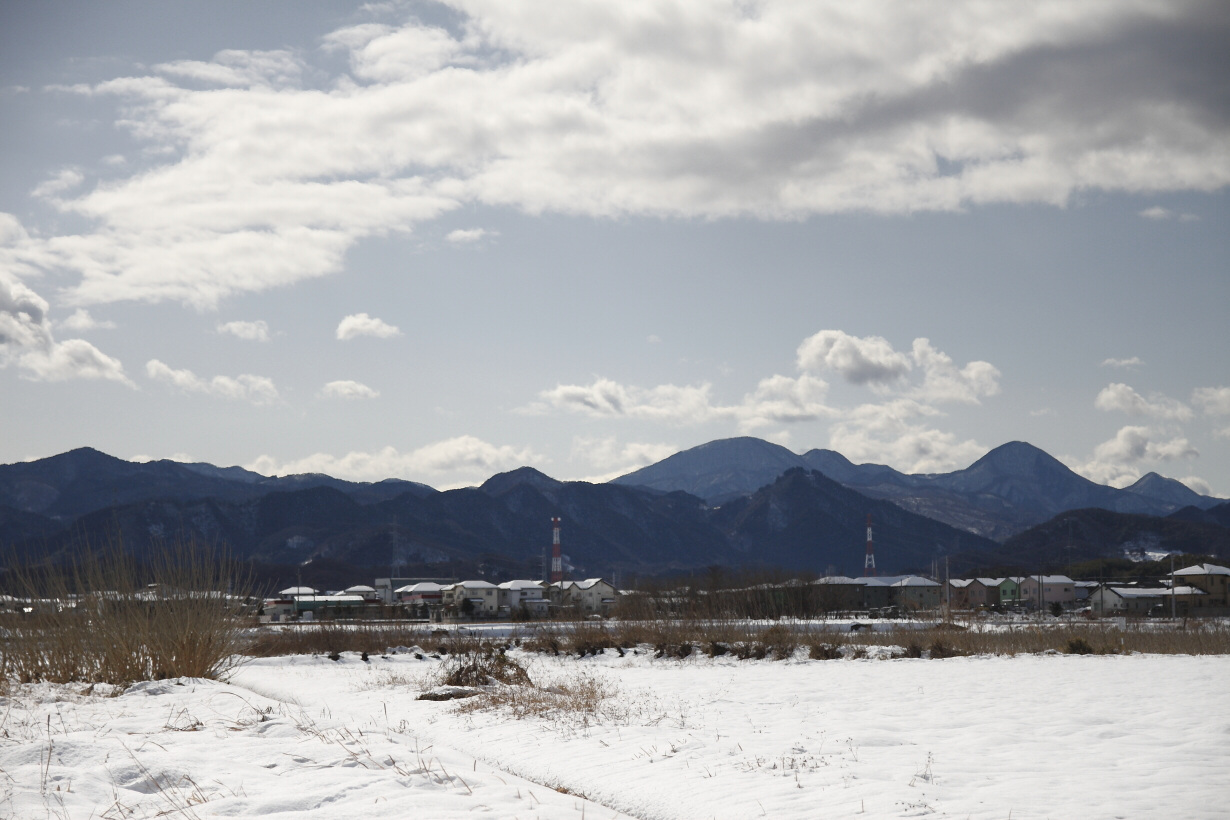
438,241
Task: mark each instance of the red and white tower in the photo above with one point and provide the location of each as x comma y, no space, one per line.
557,561
869,563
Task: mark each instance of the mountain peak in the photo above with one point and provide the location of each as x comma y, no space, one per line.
501,483
1170,490
718,470
1017,458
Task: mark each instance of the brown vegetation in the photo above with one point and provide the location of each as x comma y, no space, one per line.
106,617
677,638
332,638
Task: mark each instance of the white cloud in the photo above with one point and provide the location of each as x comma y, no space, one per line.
612,459
64,180
360,324
1121,397
1197,484
81,321
1134,361
463,237
873,361
1158,213
1116,461
386,54
240,69
455,458
776,399
26,339
257,331
259,390
1214,401
780,399
346,389
605,398
73,359
890,431
943,382
680,109
869,360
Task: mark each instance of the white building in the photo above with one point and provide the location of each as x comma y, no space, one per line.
591,596
482,597
1213,579
527,596
1045,590
363,591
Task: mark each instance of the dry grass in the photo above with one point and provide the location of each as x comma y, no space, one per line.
1093,638
484,669
329,639
107,618
580,697
748,641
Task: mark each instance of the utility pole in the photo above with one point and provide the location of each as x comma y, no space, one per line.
947,592
1172,604
869,562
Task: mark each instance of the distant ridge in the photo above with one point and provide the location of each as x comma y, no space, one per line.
322,530
80,481
1011,488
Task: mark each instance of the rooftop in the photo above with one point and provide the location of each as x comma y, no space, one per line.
1203,569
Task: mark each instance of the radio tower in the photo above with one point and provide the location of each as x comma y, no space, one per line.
557,562
869,564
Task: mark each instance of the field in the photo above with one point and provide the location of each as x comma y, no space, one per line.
628,734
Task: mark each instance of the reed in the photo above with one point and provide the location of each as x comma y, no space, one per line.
105,617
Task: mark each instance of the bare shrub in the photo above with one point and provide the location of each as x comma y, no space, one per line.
675,638
944,649
328,638
779,641
484,669
543,641
581,695
1078,646
105,617
824,652
1211,638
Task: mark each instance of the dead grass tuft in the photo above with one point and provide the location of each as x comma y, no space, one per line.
484,669
330,639
824,652
581,696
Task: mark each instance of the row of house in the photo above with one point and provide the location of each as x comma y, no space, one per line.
1204,588
1205,591
1026,590
909,592
436,601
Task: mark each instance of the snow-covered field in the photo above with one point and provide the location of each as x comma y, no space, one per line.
305,737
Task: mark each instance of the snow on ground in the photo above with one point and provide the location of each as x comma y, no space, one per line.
1031,736
197,749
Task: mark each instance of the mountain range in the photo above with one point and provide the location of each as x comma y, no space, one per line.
1011,488
736,503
